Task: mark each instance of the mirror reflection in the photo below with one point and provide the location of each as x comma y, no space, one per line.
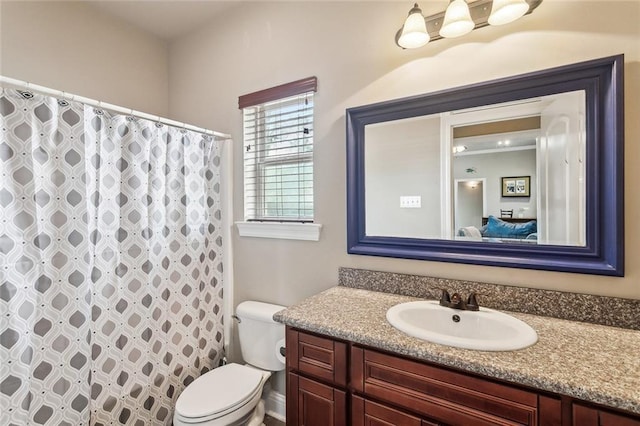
511,172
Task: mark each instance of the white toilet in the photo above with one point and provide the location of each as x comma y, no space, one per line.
232,394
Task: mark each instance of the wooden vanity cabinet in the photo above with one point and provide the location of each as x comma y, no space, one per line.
333,382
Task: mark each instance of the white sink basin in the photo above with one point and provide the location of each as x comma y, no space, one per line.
484,330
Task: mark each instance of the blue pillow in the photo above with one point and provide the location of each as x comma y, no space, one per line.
497,228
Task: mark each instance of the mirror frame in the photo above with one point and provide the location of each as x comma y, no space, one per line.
603,254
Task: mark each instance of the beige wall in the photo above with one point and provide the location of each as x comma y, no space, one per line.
349,47
70,46
403,159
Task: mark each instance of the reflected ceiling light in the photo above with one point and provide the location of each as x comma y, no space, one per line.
458,149
457,20
505,11
414,31
460,17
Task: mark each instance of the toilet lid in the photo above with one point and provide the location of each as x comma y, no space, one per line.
218,390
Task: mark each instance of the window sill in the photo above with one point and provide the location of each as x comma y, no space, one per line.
279,230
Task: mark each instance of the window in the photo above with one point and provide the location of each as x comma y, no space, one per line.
278,153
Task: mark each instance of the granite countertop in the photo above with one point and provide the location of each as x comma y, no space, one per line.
586,361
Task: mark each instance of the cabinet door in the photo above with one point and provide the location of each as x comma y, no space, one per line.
591,416
310,403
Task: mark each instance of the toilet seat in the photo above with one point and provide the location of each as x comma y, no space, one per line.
219,392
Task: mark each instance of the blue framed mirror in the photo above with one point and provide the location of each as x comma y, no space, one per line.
521,172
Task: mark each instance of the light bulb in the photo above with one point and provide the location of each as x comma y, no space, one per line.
457,20
505,11
414,32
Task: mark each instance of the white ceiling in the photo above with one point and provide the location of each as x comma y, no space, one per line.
166,20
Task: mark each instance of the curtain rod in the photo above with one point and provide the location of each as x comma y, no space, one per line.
108,106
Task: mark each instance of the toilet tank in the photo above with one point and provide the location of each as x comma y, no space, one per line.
260,336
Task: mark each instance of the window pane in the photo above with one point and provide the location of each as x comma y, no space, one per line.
288,190
285,131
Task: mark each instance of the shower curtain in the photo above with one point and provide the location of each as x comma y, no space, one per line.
110,263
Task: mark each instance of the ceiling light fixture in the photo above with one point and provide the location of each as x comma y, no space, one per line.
460,18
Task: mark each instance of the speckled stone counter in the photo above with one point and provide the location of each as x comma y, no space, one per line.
591,362
612,311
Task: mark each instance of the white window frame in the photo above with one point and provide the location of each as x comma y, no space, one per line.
277,227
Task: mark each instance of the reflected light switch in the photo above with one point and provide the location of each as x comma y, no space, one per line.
410,202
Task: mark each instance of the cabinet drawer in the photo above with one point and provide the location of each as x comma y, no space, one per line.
612,419
591,416
440,394
318,357
368,413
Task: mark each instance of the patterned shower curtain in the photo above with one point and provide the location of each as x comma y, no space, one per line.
110,264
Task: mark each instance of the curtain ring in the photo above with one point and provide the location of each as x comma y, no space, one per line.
62,101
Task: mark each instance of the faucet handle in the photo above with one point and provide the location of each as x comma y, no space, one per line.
472,302
445,298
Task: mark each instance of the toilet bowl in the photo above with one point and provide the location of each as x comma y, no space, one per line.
232,394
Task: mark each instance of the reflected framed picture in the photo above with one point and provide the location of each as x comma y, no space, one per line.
516,186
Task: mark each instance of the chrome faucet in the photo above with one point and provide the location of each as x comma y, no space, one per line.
456,301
